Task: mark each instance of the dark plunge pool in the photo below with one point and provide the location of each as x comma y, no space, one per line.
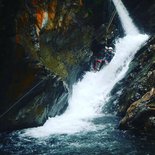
106,141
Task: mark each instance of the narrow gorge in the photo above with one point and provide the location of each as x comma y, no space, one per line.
53,101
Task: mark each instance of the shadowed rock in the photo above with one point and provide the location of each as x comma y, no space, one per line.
140,113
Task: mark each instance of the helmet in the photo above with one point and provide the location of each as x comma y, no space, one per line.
106,48
110,48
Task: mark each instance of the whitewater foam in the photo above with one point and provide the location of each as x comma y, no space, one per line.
127,23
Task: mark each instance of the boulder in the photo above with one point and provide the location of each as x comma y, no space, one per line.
141,113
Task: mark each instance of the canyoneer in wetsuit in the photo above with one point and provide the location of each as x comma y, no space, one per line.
103,57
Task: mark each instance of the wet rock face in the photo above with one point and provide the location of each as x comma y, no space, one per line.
54,29
139,79
136,102
141,113
46,99
65,54
41,39
143,13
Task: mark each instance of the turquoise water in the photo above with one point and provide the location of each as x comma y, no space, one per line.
106,141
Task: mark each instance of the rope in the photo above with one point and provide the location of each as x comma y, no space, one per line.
100,34
22,97
111,20
87,45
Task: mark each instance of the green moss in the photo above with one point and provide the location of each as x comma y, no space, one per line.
60,62
68,57
56,65
54,62
65,58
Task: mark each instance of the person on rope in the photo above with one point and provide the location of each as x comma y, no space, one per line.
103,57
98,55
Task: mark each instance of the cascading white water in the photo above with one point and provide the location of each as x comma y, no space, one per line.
91,93
127,23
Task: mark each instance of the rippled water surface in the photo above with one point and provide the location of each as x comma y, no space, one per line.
106,140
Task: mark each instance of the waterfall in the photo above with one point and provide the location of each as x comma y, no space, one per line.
92,92
127,23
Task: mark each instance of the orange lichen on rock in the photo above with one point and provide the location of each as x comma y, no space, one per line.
39,17
81,2
52,9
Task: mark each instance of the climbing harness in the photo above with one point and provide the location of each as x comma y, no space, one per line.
111,20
